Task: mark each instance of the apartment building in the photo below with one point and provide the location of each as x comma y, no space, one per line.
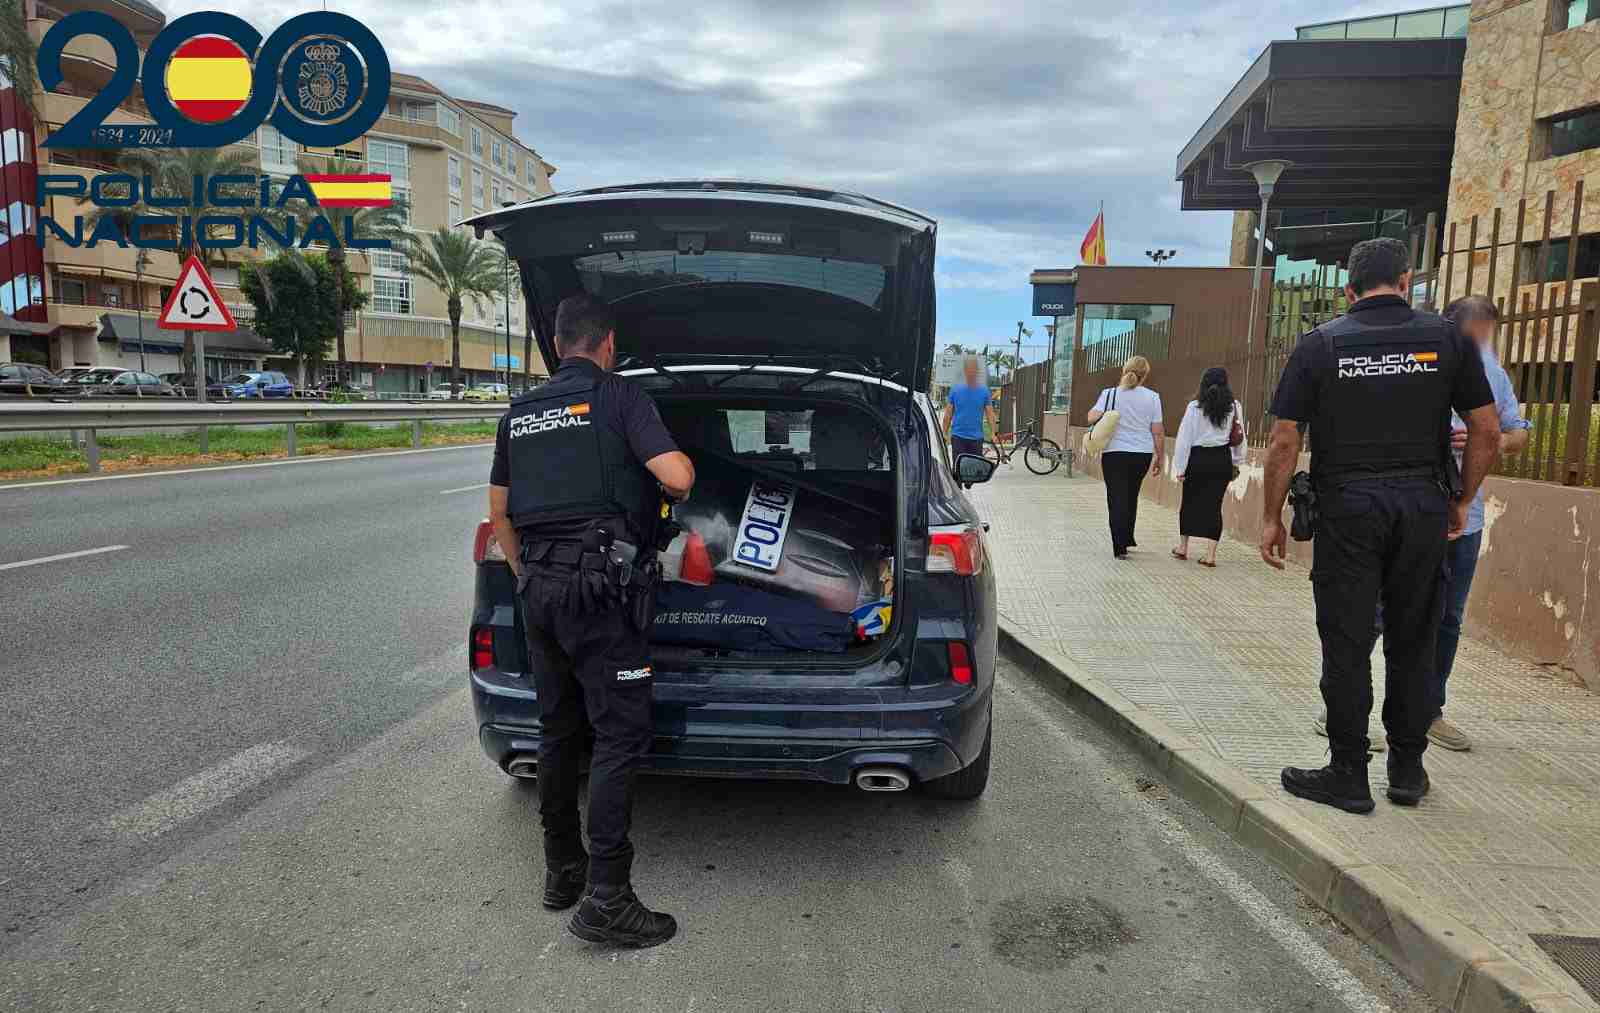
450,157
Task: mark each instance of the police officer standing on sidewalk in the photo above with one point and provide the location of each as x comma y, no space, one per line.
580,465
1377,386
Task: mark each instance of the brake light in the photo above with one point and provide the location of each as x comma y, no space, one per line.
485,547
958,552
482,648
960,663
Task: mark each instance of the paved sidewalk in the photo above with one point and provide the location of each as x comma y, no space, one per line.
1508,842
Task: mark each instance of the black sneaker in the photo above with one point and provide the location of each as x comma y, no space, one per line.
564,887
619,919
1408,781
1341,784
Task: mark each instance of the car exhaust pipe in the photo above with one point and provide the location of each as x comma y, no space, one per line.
882,779
523,765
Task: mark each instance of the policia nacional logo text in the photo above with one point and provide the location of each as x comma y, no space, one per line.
1392,364
550,418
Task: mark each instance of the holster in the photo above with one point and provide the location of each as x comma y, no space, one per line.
1303,497
1452,477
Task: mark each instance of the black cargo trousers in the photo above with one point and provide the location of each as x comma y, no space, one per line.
590,670
1379,540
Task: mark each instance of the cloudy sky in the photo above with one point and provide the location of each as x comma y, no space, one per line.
1007,121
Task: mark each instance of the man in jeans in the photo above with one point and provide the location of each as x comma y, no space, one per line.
1476,318
964,415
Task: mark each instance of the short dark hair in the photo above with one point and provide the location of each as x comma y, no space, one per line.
1375,262
1471,308
582,323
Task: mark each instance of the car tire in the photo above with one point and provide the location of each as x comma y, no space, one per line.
968,782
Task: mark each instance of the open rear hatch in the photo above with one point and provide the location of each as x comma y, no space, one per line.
792,537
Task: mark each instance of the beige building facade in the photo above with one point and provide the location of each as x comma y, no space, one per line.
450,157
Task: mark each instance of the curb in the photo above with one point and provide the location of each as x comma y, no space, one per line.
1456,965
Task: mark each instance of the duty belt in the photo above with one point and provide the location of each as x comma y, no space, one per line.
1340,478
570,553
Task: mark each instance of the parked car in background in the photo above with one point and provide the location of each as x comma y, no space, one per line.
99,376
132,383
184,381
28,380
266,383
347,390
440,393
72,374
487,392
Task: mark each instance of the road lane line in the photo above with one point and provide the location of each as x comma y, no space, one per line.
465,488
207,469
60,556
206,790
1295,940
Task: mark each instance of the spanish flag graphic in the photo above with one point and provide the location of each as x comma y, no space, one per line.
208,78
364,191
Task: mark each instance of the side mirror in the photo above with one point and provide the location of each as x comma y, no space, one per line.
972,469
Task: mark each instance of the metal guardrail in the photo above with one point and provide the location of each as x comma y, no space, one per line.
89,415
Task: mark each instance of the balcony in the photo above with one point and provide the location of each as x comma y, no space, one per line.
416,131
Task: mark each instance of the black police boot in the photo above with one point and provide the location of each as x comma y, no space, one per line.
563,887
1408,782
614,916
1341,784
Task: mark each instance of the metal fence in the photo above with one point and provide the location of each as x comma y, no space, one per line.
88,416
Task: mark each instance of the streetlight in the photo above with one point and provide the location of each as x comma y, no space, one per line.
505,252
1266,173
1159,255
140,262
1017,359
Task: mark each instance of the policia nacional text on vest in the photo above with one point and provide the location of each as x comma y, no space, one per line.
577,496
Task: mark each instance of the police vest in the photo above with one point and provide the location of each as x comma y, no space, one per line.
1386,409
569,468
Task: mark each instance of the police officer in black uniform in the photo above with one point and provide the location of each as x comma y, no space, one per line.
575,496
1377,386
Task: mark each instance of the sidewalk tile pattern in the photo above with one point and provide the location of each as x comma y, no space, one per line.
1509,840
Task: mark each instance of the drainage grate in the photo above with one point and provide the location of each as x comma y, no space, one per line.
1579,956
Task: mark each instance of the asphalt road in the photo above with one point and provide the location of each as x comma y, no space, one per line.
239,772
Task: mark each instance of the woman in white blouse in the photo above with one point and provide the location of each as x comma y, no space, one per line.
1206,460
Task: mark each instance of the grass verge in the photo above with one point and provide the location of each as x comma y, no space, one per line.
36,457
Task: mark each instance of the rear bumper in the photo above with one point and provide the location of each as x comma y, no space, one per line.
928,732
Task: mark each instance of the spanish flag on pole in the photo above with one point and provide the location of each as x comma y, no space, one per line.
1093,250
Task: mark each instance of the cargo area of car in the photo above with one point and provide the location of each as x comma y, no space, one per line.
788,551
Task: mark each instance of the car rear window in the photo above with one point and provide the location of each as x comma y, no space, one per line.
826,439
618,274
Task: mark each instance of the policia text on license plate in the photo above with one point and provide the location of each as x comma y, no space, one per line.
765,524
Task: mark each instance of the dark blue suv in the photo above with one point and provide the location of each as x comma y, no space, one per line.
786,334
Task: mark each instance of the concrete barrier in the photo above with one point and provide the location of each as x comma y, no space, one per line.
1530,597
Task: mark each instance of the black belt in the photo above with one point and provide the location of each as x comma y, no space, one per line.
561,553
1346,477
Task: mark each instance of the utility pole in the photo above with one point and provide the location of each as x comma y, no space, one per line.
139,264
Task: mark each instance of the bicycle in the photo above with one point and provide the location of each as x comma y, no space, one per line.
1041,455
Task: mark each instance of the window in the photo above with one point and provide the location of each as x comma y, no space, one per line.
455,212
511,162
450,119
391,295
390,262
348,154
533,176
277,151
455,176
1555,266
1576,132
477,188
494,193
496,153
511,193
477,141
622,272
1581,11
391,157
1114,331
72,292
402,205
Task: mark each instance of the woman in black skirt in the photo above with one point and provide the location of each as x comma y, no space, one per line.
1207,459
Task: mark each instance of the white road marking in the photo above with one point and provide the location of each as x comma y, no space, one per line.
59,557
206,470
1294,939
206,790
465,488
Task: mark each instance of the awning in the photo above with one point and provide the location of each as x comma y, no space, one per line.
11,325
125,327
1367,123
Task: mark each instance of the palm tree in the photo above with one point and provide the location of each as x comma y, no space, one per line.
387,222
172,172
996,360
461,267
17,50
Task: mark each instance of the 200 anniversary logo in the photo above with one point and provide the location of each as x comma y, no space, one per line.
322,79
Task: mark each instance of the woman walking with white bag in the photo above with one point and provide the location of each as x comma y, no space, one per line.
1209,454
1133,451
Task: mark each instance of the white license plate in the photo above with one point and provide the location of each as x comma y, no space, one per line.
765,524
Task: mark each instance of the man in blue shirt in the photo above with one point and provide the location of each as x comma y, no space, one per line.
965,412
1476,317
